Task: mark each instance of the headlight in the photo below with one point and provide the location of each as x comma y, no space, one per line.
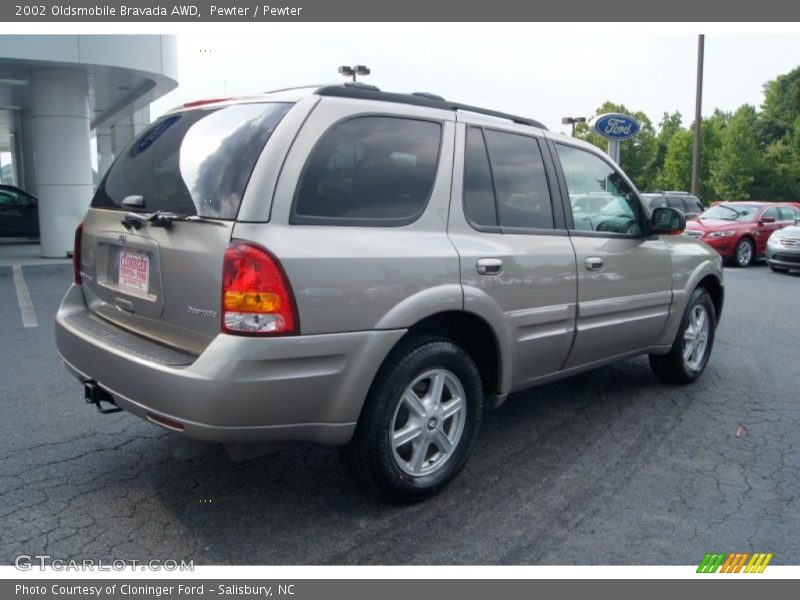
775,238
717,234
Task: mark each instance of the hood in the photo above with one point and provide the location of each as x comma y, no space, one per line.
792,230
716,224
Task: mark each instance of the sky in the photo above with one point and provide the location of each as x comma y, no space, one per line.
511,68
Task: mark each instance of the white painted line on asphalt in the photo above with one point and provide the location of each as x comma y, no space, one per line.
24,299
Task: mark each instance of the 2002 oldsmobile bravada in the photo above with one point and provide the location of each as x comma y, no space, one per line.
347,266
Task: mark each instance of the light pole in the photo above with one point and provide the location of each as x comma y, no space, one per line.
698,116
572,121
353,71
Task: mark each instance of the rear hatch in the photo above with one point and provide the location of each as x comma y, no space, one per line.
159,274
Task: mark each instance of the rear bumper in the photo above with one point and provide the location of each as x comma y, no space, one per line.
240,389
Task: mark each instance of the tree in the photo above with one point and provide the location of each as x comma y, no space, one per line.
781,107
738,172
677,170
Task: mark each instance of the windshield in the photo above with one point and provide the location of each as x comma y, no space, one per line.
729,212
193,163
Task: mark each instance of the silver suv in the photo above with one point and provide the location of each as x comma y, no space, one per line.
373,270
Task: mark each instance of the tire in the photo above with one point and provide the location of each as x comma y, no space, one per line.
778,269
744,254
675,367
402,399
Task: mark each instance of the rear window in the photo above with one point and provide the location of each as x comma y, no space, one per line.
373,171
654,201
194,163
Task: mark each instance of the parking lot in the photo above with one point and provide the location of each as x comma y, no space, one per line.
610,467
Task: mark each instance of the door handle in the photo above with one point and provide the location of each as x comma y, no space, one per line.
489,266
594,263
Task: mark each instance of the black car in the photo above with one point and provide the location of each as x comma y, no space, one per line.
19,213
685,202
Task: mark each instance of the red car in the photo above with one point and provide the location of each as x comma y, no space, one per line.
739,230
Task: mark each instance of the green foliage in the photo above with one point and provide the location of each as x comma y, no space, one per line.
747,154
739,169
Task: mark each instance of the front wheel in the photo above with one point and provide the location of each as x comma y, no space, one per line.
419,422
688,357
744,253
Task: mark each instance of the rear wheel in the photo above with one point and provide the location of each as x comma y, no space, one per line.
688,357
744,253
419,422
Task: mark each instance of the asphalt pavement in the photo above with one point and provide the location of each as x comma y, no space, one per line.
610,467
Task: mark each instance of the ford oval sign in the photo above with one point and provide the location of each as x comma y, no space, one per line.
614,126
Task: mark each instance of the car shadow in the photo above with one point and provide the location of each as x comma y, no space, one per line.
297,504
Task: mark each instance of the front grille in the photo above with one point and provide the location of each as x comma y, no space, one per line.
693,234
137,345
788,242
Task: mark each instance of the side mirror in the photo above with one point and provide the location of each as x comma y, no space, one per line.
667,220
767,220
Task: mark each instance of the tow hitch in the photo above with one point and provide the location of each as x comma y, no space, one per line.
95,395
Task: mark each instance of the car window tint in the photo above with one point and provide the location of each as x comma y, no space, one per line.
370,171
772,211
588,174
656,201
479,202
676,203
520,183
194,162
787,213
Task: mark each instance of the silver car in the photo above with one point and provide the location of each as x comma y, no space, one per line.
783,248
372,270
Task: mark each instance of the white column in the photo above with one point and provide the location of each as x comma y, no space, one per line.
60,115
28,155
105,150
141,119
122,133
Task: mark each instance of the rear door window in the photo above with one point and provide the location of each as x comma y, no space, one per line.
676,203
479,201
196,163
520,182
370,171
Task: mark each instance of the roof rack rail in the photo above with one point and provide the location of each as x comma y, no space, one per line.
296,87
428,95
360,85
364,92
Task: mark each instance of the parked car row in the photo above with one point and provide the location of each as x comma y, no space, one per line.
739,231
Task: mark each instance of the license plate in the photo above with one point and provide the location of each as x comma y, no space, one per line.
134,271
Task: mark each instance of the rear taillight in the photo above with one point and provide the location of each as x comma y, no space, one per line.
76,255
256,296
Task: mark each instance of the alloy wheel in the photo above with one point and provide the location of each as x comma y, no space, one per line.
695,337
428,422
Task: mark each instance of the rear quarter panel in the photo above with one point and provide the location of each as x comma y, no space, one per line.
355,278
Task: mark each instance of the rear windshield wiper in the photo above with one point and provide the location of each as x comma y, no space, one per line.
162,219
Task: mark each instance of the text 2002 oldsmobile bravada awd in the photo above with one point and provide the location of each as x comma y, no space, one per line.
346,266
